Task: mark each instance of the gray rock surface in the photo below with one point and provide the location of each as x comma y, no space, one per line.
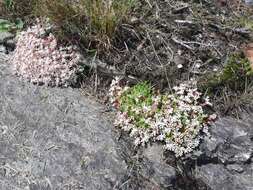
2,49
156,169
4,36
7,42
227,160
54,139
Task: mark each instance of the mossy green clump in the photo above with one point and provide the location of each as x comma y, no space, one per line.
134,99
246,22
234,74
6,25
237,67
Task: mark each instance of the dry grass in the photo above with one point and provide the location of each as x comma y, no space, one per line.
13,9
93,22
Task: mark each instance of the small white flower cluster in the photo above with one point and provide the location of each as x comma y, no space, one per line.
39,59
178,119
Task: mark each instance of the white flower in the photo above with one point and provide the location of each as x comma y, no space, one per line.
197,65
179,123
161,137
179,66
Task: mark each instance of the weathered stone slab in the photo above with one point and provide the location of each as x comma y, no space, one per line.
4,36
54,138
227,160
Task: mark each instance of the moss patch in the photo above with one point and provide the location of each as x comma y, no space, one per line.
234,74
246,22
136,98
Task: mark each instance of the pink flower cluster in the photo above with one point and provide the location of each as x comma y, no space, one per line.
38,58
178,120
